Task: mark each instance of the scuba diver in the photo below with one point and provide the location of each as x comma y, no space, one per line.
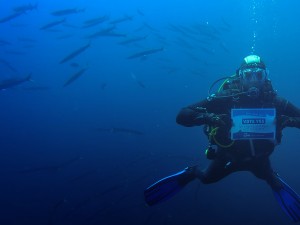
243,121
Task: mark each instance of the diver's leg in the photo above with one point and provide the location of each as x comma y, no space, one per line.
262,169
287,198
216,170
170,185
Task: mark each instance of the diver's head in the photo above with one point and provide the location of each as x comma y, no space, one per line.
253,75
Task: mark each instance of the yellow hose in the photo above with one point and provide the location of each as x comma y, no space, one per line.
213,134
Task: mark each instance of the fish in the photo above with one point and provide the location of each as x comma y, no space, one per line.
27,40
74,77
101,32
103,85
75,53
122,19
183,43
10,17
133,40
145,53
95,21
52,168
140,83
227,26
108,32
207,31
147,26
54,209
83,175
41,169
53,24
113,34
54,30
28,46
37,88
8,66
177,29
224,47
25,8
4,42
120,130
64,12
70,25
9,83
141,13
74,65
81,204
13,52
16,25
65,36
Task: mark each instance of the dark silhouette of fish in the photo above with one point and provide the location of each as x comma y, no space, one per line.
101,32
65,12
25,8
75,53
120,130
65,36
103,85
140,12
52,168
4,42
95,21
74,65
5,84
226,26
140,83
133,40
54,209
8,65
83,175
16,25
74,77
52,24
145,53
122,19
146,25
113,34
10,17
27,40
108,32
37,88
13,52
93,197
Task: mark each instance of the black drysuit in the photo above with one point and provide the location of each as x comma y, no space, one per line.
240,155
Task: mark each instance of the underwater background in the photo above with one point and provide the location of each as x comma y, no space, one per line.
92,122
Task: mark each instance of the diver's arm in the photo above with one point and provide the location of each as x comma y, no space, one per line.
291,115
192,115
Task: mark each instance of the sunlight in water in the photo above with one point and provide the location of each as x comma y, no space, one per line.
258,11
254,21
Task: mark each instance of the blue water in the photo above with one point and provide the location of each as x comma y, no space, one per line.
63,159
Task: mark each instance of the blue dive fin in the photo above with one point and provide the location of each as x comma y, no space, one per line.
288,199
167,187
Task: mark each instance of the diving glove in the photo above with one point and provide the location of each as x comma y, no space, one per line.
213,119
287,121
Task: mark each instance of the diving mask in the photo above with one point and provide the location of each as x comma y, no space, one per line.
254,74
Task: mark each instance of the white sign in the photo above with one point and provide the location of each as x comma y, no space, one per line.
253,124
